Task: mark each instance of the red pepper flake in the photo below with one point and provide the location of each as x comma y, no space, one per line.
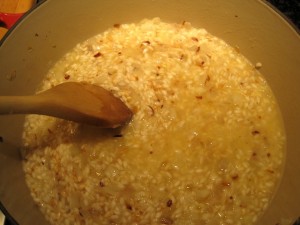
152,110
200,64
242,206
169,203
226,184
195,39
67,76
172,93
117,25
101,184
128,206
145,43
235,177
207,80
199,97
50,131
255,132
98,54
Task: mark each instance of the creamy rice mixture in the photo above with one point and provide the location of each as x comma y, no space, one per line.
205,145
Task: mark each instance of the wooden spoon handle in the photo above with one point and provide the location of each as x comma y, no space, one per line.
83,103
18,104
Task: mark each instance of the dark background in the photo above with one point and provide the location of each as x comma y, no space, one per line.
291,10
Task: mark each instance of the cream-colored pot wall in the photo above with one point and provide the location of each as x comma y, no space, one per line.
56,26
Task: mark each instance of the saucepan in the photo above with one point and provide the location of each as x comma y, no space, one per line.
54,27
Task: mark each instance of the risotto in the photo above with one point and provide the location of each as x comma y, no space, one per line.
205,145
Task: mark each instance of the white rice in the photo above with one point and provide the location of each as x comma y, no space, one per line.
205,145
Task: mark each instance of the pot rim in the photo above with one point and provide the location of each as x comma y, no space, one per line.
264,3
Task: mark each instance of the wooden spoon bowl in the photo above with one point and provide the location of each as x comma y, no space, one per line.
79,102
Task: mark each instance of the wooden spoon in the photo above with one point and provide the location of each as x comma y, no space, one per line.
79,102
